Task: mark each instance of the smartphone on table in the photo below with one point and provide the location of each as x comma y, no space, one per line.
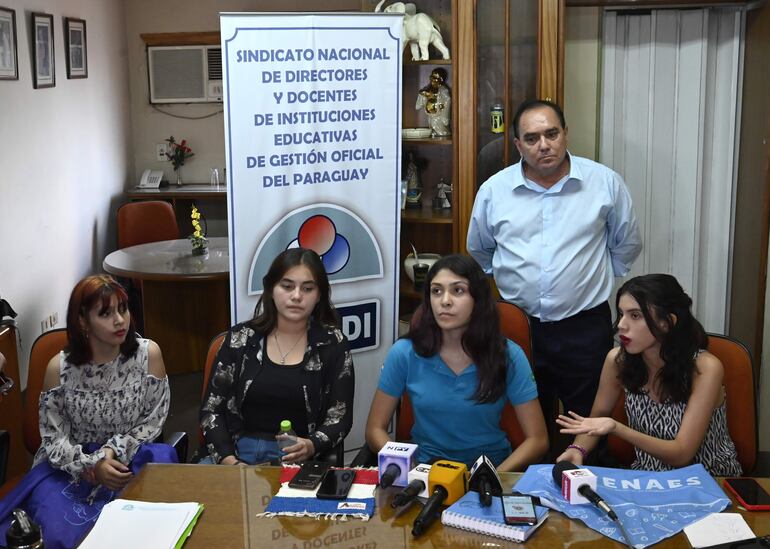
749,493
309,475
336,484
518,509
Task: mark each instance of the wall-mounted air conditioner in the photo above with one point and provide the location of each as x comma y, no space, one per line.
185,74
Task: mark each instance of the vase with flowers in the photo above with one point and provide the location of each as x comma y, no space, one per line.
177,153
200,244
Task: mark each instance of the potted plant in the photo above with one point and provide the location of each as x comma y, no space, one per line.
200,244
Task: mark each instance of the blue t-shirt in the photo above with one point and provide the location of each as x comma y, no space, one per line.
448,423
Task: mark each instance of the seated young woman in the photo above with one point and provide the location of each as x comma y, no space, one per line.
105,399
674,398
291,361
459,371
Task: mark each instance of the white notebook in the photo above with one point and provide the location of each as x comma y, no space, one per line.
467,513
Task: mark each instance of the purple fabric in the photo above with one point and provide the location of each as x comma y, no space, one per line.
61,507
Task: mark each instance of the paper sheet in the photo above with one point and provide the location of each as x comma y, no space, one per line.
126,524
718,528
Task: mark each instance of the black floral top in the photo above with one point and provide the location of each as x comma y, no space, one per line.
328,385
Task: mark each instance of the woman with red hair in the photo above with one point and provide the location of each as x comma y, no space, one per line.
105,398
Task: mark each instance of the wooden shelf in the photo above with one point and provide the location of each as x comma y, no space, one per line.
427,141
427,216
428,62
406,289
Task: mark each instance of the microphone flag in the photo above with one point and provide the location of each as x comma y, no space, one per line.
651,505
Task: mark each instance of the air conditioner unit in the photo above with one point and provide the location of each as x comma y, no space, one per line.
185,74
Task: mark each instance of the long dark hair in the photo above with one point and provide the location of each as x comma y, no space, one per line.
482,339
666,310
86,294
266,315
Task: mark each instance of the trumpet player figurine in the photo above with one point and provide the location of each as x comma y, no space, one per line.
435,100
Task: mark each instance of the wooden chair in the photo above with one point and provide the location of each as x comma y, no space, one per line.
741,405
336,455
11,407
146,221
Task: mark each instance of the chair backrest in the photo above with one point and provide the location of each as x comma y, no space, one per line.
514,324
214,346
146,221
45,347
741,405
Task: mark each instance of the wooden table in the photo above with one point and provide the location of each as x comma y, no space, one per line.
233,495
185,298
182,192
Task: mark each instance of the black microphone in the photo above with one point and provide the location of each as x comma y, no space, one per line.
447,484
391,473
408,494
430,511
584,489
485,480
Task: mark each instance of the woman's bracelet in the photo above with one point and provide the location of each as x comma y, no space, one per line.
580,449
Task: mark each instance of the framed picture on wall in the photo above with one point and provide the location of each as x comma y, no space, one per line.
75,41
42,54
9,60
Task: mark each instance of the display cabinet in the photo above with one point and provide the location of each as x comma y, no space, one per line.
502,52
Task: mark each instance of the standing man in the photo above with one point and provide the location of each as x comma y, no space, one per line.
554,230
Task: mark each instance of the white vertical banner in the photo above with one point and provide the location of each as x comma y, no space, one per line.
313,149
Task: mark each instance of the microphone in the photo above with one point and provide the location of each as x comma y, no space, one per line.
577,486
417,487
485,480
446,484
394,461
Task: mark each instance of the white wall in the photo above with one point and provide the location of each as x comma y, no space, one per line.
64,153
205,136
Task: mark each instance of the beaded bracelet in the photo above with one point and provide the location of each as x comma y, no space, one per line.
580,449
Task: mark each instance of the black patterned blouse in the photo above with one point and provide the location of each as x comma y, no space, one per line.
328,386
117,405
663,419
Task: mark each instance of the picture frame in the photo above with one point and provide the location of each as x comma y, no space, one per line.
43,60
76,46
9,52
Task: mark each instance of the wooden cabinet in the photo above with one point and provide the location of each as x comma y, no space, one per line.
502,52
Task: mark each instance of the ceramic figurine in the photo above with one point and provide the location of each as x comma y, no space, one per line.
419,30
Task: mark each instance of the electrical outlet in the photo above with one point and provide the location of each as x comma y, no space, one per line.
160,152
54,319
44,326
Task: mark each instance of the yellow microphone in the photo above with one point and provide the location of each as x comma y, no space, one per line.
447,482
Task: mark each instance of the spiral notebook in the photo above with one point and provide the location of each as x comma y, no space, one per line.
468,514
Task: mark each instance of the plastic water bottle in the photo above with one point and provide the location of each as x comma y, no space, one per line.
286,436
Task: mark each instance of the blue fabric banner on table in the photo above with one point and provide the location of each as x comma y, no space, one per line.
651,505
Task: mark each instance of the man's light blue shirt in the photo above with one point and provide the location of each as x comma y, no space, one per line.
554,252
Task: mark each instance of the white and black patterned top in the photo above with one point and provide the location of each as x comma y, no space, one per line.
662,420
117,405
